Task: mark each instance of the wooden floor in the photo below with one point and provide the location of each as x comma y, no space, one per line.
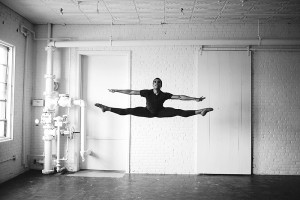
34,185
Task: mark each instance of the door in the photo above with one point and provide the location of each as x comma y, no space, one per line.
224,136
107,133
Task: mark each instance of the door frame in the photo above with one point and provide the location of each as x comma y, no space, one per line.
79,94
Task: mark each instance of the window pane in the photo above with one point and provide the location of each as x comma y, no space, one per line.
3,74
2,129
2,110
2,91
5,65
3,55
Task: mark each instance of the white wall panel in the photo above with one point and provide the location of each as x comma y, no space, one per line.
107,133
224,135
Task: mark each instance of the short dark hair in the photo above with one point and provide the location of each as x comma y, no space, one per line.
158,79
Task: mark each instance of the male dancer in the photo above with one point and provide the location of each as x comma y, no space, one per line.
154,103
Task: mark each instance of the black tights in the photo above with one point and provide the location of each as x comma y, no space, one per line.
144,112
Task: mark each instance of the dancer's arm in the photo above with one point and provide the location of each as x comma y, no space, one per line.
187,98
130,92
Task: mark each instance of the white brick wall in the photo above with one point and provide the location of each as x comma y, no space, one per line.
163,145
173,32
276,112
9,23
167,145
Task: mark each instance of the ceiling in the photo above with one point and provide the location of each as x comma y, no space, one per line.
156,11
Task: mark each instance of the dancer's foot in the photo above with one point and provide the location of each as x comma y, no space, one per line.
204,111
102,107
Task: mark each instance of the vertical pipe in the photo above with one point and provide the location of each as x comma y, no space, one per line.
82,131
82,105
24,132
48,110
48,169
130,118
48,154
49,71
69,72
49,32
58,149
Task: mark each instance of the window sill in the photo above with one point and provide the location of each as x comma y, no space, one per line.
3,139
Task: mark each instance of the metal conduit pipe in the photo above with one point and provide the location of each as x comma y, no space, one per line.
24,131
250,49
83,151
58,124
247,42
48,111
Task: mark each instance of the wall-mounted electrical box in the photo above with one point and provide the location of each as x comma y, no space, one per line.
38,102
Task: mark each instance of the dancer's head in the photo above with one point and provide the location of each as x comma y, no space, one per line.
157,83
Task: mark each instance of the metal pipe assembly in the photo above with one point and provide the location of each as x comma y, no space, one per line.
53,125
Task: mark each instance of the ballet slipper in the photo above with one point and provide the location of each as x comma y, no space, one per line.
205,111
102,107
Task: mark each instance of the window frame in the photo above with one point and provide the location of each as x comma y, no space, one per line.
10,91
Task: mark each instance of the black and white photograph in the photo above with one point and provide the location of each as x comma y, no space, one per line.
149,99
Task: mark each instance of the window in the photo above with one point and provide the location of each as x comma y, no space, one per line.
5,91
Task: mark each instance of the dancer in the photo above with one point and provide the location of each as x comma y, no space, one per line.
154,103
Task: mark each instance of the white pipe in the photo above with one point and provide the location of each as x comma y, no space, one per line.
49,32
49,71
48,124
24,131
248,42
69,72
82,105
67,151
59,123
48,169
246,49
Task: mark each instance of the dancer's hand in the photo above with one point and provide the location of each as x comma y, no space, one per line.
112,90
200,99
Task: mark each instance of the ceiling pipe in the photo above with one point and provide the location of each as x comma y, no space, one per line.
137,43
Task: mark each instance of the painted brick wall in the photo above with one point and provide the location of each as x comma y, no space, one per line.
173,32
276,112
168,145
164,145
10,33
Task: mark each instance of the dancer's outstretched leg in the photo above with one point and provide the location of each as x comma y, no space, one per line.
138,111
144,112
172,112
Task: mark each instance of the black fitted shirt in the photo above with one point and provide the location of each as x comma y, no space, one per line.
154,103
